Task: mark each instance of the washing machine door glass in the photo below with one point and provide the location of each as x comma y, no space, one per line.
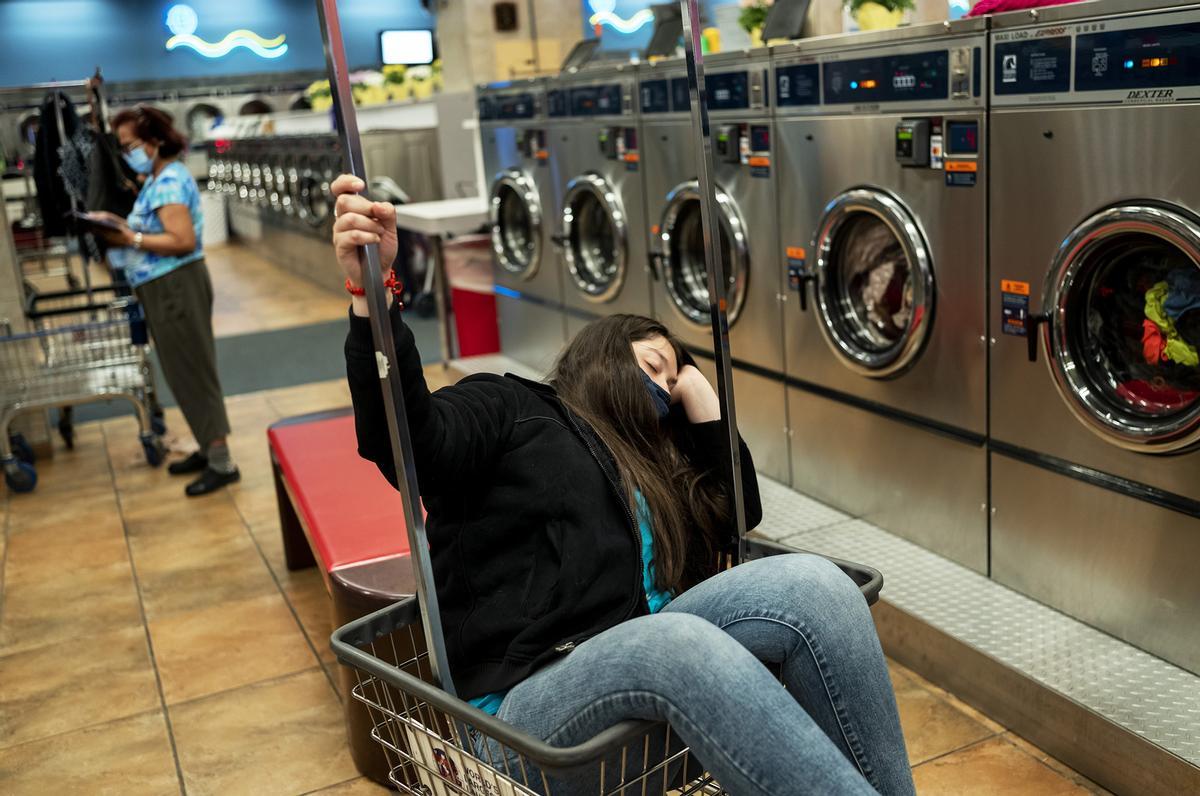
594,237
874,283
1122,301
315,206
516,215
683,271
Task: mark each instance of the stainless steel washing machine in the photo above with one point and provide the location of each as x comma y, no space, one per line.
1095,270
513,129
744,174
600,219
883,226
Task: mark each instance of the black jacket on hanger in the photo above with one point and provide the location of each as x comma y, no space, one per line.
51,194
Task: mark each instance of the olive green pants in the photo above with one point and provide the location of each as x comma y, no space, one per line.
179,311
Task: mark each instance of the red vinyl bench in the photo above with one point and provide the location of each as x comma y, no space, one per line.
336,510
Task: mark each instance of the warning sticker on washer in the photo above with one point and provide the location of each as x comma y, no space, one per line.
796,266
1014,307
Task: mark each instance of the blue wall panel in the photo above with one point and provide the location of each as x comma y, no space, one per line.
44,40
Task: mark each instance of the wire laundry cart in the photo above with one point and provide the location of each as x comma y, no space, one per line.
437,745
78,352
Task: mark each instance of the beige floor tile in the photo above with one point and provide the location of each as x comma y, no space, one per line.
957,703
284,736
932,726
305,590
66,607
355,787
40,553
993,767
1056,765
123,758
198,571
61,687
39,509
256,503
227,645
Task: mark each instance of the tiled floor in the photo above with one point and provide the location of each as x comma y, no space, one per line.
148,640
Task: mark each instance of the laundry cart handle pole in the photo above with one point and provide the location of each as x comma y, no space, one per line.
717,305
385,352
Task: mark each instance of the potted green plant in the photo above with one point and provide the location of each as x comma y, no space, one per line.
752,17
879,14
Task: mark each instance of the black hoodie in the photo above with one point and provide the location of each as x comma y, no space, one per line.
535,547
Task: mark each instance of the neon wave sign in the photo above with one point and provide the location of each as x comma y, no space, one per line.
182,21
603,14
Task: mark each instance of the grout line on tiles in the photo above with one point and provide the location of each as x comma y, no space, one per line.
1076,777
137,584
334,785
81,728
958,749
286,599
256,684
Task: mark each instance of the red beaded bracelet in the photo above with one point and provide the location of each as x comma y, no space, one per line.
391,283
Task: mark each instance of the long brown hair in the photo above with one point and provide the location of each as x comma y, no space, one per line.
597,376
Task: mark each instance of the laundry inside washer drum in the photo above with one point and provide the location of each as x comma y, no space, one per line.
872,283
594,240
690,274
516,228
1126,333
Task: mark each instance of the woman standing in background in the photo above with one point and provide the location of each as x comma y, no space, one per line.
163,259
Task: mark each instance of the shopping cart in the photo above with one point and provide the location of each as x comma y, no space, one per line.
46,310
78,352
437,745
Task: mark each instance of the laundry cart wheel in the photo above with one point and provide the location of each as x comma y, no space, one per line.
154,449
22,449
19,476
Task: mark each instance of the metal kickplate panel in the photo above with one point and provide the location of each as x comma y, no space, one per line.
1153,698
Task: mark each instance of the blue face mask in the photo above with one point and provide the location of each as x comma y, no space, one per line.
139,161
660,397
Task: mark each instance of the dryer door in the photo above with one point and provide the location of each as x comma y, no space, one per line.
595,237
874,283
1122,326
516,216
316,202
682,254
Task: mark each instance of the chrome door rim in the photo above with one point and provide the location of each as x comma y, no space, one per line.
1172,226
610,202
735,229
526,191
899,357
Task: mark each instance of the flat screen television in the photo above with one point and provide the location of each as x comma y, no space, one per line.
407,47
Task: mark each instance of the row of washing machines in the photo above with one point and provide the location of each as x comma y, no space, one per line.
286,176
963,266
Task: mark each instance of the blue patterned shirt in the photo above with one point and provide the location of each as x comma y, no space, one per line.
171,186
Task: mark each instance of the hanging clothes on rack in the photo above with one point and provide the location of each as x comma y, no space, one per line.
112,185
53,200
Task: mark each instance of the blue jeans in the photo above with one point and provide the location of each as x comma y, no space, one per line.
698,665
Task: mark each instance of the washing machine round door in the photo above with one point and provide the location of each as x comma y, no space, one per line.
1122,326
315,204
595,237
516,216
874,283
682,266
